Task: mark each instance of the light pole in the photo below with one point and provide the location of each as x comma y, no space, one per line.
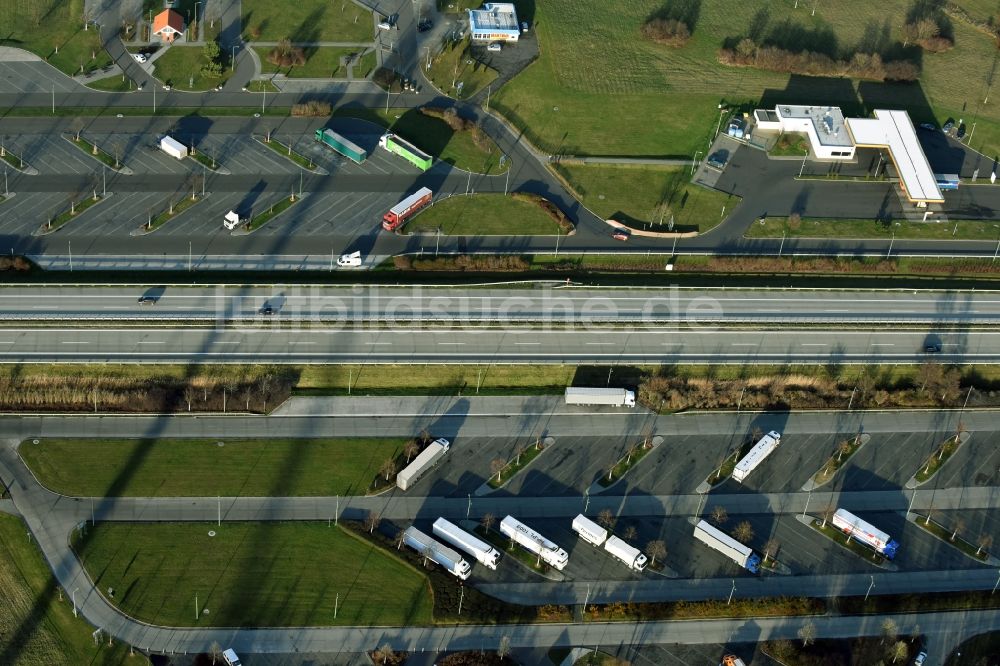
808,497
803,167
6,194
994,251
782,246
891,241
197,26
694,162
996,584
731,592
232,58
870,588
76,588
388,89
506,186
468,508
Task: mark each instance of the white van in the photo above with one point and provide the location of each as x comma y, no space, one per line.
352,259
495,46
231,658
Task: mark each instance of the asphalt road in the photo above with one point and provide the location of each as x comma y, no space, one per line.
551,303
258,340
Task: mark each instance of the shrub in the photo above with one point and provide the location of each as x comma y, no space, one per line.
286,55
669,32
550,209
312,108
748,53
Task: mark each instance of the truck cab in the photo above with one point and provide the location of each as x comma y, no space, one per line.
232,220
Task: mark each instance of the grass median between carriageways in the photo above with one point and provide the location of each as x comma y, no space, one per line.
938,459
251,575
36,625
203,467
646,197
484,215
807,227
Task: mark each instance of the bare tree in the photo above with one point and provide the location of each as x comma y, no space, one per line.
215,650
743,532
719,515
371,521
503,650
957,527
606,519
400,538
656,549
628,454
756,434
807,634
383,653
410,449
190,392
984,541
388,468
843,449
771,549
827,514
264,384
247,394
487,521
889,630
518,452
630,533
77,127
496,467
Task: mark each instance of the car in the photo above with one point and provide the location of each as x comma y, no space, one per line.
928,126
218,87
147,300
384,25
948,126
932,348
166,86
139,57
620,234
961,131
139,87
718,159
267,309
524,26
495,47
231,658
352,259
425,25
919,661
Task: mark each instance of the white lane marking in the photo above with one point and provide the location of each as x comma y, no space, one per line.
814,344
602,343
527,343
301,342
225,342
379,343
74,342
151,342
744,344
883,344
451,343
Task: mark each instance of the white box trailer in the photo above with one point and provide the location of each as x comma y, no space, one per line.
431,549
865,532
615,397
423,462
173,147
720,541
483,552
761,450
630,555
549,552
589,531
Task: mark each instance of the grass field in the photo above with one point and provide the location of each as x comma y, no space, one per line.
452,67
632,194
484,215
307,21
775,227
365,65
36,627
189,467
53,29
321,63
618,94
113,83
251,574
180,67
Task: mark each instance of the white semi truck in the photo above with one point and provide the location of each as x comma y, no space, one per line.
422,463
431,549
483,552
549,552
594,534
761,450
866,533
720,541
589,531
173,147
615,397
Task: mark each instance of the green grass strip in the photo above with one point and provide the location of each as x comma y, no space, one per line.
515,465
636,453
277,209
289,154
951,538
937,459
167,215
73,213
96,152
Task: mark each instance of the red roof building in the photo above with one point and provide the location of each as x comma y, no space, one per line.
169,25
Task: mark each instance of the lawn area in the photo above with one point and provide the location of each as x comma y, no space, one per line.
307,21
36,627
945,534
636,453
53,29
251,575
938,459
190,467
436,379
633,195
365,65
845,450
808,227
72,212
791,144
457,148
662,101
451,67
288,153
321,63
180,67
276,209
484,215
97,152
114,83
168,214
515,465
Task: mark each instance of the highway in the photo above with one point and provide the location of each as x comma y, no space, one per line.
257,340
525,303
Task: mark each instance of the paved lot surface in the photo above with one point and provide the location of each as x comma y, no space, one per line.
32,75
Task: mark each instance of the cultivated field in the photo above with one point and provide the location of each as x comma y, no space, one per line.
600,88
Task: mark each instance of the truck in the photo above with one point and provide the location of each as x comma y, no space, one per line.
399,146
732,660
630,555
615,397
173,147
233,220
761,450
443,555
866,533
427,458
483,552
728,546
532,541
342,145
406,208
589,531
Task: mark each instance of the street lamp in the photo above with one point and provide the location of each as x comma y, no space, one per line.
731,592
232,58
196,19
74,601
870,588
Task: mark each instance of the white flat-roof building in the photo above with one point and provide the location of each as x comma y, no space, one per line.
894,131
833,137
494,22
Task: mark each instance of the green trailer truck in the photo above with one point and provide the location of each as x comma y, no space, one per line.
406,150
342,145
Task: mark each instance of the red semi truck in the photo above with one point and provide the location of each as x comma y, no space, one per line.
405,209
